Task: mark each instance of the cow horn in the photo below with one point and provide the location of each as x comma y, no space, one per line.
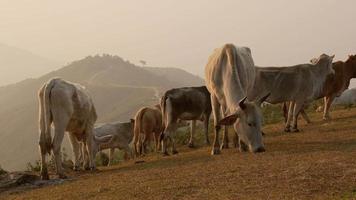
264,98
242,103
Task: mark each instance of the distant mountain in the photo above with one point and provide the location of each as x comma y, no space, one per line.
118,89
17,64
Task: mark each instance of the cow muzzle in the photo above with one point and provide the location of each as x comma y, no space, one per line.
259,150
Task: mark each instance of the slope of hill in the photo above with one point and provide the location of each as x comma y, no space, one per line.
17,64
177,75
316,163
118,89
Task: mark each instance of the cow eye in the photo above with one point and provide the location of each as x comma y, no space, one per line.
249,124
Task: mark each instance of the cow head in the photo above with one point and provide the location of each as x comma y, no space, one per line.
100,140
326,62
247,121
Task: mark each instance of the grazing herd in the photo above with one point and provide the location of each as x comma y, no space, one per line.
235,89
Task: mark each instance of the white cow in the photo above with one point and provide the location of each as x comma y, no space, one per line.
228,76
68,107
114,135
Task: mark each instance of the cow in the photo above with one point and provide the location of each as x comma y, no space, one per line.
68,107
336,84
348,97
300,84
114,135
229,74
187,103
148,124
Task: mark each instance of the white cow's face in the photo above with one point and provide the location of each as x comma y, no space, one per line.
248,127
247,121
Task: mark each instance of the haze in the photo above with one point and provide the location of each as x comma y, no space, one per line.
180,33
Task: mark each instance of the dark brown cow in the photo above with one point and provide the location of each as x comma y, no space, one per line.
188,103
337,83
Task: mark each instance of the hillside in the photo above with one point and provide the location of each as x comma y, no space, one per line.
316,163
118,89
17,64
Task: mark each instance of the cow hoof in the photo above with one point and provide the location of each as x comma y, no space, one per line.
215,151
62,176
174,152
287,130
92,169
191,145
165,154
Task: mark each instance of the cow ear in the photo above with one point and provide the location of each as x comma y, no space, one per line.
103,139
229,120
260,101
332,57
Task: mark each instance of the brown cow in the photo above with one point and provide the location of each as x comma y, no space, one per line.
336,84
148,123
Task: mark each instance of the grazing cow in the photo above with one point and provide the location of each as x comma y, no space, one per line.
148,124
187,103
300,84
336,84
348,97
228,76
114,135
68,107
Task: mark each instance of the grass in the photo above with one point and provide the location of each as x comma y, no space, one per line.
316,163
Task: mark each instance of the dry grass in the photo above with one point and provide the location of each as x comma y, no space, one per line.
317,163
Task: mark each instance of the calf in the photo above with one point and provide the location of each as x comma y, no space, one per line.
148,124
114,135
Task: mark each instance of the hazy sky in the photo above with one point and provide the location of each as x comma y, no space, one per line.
180,33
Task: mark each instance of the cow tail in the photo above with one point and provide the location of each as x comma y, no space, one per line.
163,110
137,130
46,133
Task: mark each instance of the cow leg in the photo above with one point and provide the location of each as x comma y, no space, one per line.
216,113
170,133
57,141
111,156
297,108
305,116
285,111
327,103
171,125
44,170
192,132
91,153
225,143
156,140
76,151
236,140
85,155
289,118
206,129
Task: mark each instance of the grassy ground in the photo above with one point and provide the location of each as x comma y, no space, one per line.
317,163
